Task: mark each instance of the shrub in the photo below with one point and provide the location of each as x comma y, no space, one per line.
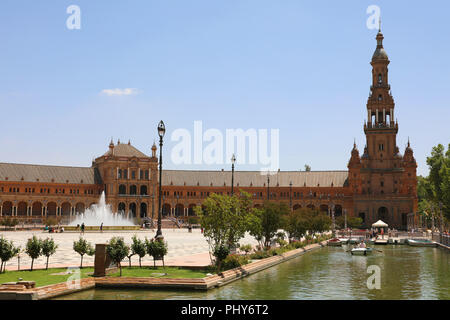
34,249
51,221
281,242
7,251
9,222
260,254
220,252
246,248
233,261
83,247
117,250
157,249
48,248
193,220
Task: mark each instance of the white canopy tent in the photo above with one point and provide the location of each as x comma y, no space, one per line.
379,224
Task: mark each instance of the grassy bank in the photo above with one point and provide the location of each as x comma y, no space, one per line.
43,277
59,275
160,272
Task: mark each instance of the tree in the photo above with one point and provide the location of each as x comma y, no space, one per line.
83,247
117,250
221,252
224,220
296,225
33,249
352,222
157,249
7,252
265,223
307,168
434,190
138,247
48,248
320,222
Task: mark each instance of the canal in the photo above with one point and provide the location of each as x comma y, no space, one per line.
329,273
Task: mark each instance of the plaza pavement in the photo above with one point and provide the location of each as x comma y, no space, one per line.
185,249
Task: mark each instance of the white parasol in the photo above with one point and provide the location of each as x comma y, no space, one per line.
379,224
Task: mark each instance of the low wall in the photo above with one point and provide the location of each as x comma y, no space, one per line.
97,228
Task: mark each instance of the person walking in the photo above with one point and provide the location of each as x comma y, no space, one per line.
82,228
101,228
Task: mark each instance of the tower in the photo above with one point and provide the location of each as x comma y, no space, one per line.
383,181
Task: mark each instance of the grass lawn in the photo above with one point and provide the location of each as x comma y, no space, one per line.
42,277
55,275
171,272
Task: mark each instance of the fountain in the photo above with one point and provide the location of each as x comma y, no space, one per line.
100,213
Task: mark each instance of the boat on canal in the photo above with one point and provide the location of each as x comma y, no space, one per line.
335,242
361,251
421,243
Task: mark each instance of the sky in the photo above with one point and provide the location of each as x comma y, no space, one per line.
301,67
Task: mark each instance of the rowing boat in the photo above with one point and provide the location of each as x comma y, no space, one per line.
361,251
421,243
335,242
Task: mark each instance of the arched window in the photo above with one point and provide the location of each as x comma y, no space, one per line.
122,189
133,189
380,78
380,97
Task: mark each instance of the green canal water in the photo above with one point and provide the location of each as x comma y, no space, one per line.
328,273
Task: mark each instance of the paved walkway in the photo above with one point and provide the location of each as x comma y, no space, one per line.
185,249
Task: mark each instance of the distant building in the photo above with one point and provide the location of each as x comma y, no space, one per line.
380,184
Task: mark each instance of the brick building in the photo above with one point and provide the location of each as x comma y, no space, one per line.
379,184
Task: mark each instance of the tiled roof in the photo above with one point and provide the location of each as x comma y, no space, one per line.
125,150
57,174
255,178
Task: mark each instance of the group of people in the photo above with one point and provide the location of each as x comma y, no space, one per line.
53,229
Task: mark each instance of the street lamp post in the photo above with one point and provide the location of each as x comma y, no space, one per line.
441,229
233,161
432,221
290,195
161,132
268,187
345,219
153,206
333,224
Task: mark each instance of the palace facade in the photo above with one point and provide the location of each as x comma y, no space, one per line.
379,184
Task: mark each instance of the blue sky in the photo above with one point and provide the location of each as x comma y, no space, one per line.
298,66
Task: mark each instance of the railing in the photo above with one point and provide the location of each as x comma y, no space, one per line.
442,239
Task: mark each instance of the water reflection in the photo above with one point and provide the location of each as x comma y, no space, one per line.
329,273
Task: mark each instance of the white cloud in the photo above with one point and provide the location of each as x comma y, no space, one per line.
120,92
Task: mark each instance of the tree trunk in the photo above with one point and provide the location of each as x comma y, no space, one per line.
140,266
81,267
129,258
32,260
46,267
120,268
